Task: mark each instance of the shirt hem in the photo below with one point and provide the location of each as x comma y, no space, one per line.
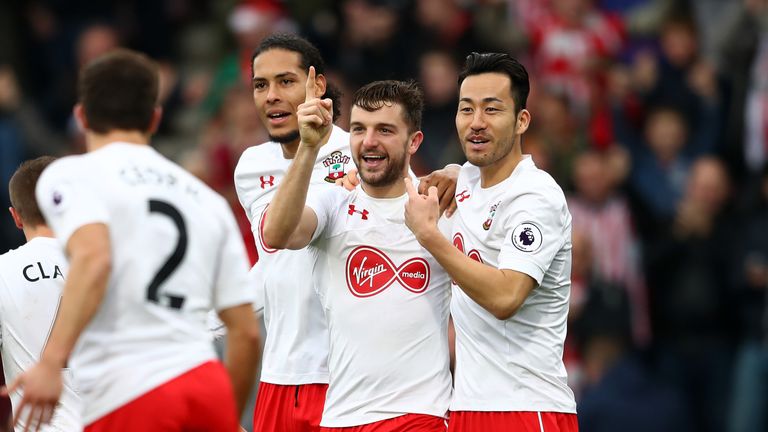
295,379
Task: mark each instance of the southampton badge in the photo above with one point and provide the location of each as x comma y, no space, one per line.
337,166
491,214
526,237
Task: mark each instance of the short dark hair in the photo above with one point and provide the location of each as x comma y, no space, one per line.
309,56
119,90
21,189
477,63
373,96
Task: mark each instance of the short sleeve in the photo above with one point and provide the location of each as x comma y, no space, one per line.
534,231
68,200
232,281
325,203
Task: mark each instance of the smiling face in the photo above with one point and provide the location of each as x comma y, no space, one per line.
278,89
381,144
486,121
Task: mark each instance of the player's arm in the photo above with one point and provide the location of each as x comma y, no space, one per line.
243,350
285,227
499,291
89,252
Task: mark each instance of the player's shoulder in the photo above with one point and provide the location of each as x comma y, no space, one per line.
538,182
40,248
67,166
535,190
339,140
259,156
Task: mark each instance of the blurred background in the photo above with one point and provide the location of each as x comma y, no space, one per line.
651,114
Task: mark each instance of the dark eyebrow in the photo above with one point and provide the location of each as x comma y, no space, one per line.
278,76
377,125
485,100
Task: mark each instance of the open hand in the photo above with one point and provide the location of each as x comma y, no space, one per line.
41,387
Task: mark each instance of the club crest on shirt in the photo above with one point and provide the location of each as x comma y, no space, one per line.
337,166
491,214
527,237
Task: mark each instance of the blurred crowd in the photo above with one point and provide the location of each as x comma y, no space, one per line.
651,114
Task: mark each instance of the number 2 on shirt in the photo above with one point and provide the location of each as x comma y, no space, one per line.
173,261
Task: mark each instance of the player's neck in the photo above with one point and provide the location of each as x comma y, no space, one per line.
290,149
95,141
497,172
394,190
37,231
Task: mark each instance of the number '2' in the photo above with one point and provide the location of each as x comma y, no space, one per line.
173,261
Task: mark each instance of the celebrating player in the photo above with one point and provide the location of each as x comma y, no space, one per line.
31,280
294,376
511,262
151,251
385,299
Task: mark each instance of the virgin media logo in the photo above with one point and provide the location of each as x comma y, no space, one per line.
370,271
458,241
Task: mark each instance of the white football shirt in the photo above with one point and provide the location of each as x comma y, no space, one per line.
296,345
387,302
31,280
176,254
521,224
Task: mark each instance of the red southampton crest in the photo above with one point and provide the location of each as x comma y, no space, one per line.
337,166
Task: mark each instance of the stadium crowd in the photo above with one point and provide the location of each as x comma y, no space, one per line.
652,115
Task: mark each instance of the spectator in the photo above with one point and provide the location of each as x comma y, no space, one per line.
689,271
750,399
438,73
602,213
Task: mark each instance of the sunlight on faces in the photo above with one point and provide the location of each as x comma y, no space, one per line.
278,90
381,144
485,119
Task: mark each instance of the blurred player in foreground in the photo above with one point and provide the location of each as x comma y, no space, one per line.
151,251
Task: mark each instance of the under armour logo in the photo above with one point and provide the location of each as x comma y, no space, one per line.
267,181
461,196
363,212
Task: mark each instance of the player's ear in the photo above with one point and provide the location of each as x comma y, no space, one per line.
157,115
415,142
16,218
79,113
523,121
320,85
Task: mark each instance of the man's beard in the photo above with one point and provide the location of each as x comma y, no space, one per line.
285,138
393,173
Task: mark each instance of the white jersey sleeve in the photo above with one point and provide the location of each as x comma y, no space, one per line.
66,200
325,204
534,234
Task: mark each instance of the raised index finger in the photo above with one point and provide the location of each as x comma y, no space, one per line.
410,189
310,84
